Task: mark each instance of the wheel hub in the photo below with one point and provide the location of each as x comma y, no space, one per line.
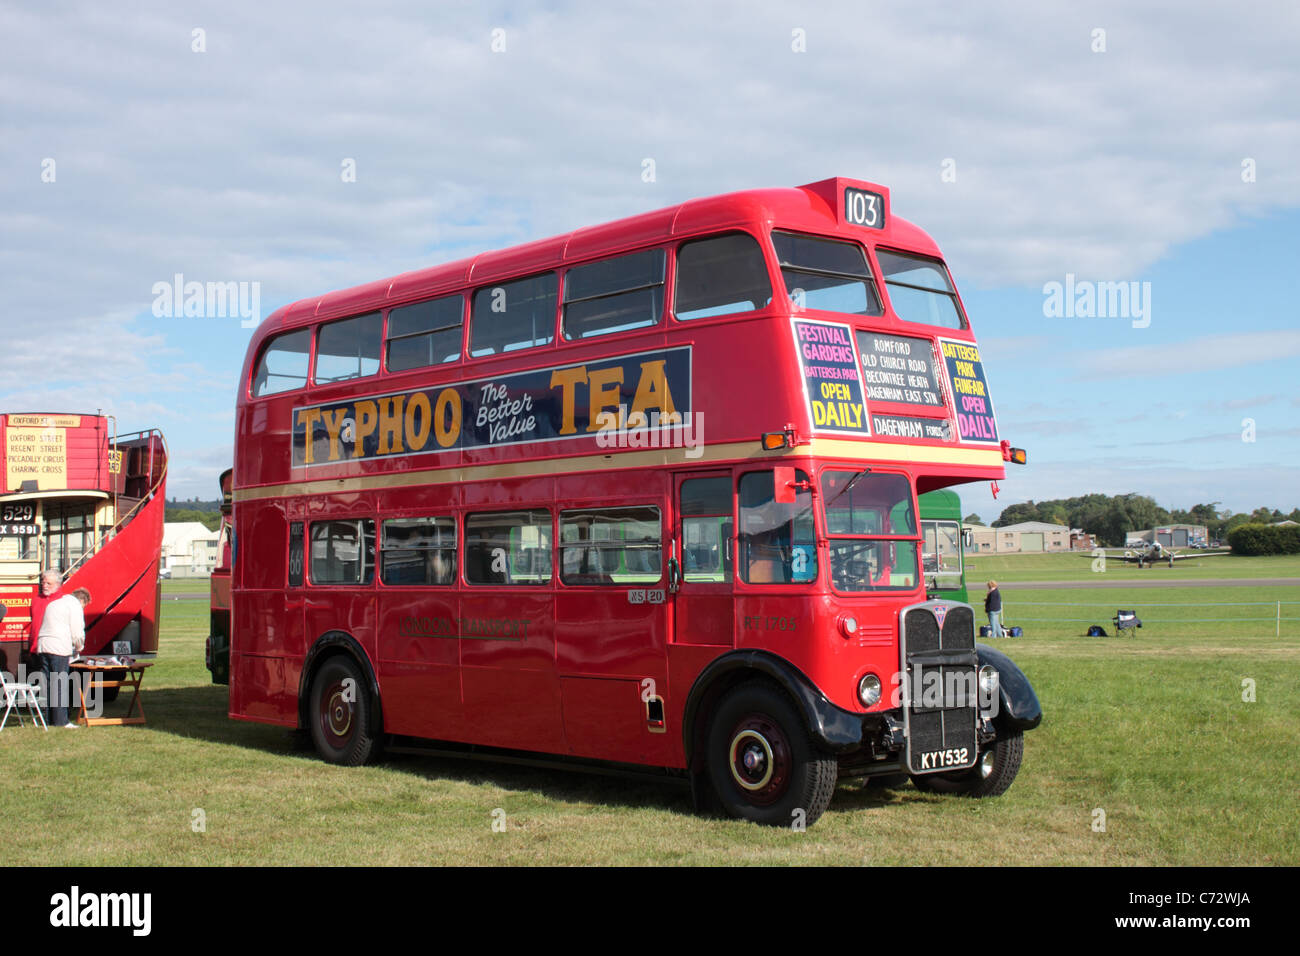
336,714
760,759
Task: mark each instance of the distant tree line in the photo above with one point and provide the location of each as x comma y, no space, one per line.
1111,517
1265,539
207,513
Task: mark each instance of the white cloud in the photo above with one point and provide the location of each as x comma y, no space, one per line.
1203,354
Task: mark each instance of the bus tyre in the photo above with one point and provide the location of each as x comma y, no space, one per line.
990,777
762,762
340,712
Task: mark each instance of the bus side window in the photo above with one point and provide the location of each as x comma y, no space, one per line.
612,546
614,295
721,275
283,365
342,552
425,333
348,348
513,315
418,551
512,547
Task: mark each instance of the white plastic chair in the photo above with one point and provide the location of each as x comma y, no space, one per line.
18,696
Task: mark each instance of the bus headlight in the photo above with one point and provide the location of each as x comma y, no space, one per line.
848,625
869,690
988,682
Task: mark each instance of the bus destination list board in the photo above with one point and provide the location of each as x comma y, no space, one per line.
892,369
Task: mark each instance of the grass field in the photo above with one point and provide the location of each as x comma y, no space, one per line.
1152,730
1077,566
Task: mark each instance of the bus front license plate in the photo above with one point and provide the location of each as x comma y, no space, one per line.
953,758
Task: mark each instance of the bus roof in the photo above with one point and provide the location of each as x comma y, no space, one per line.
814,207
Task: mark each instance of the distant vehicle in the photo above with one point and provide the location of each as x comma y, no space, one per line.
164,574
943,540
1148,555
78,498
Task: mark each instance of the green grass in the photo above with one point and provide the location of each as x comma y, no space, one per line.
1078,566
1151,729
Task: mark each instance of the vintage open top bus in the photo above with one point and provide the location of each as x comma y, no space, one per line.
642,494
87,502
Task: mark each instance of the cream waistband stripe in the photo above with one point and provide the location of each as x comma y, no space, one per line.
865,451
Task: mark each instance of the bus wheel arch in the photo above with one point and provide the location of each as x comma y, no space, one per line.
806,724
339,704
761,759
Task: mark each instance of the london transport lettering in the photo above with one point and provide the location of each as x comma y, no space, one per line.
552,404
974,408
830,370
470,628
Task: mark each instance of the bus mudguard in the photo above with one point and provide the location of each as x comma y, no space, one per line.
1018,707
832,727
329,641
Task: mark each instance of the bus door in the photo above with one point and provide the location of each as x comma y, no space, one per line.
611,622
340,596
703,602
419,625
510,687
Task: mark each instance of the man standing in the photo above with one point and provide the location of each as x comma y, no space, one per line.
993,608
51,581
63,633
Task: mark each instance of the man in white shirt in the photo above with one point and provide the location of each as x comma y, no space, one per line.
62,634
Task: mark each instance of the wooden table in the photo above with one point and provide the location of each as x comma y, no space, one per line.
96,673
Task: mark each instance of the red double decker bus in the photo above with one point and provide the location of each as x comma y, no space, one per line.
643,494
80,499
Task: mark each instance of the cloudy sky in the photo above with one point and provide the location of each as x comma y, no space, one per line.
1038,142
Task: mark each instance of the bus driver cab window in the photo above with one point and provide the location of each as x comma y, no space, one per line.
778,544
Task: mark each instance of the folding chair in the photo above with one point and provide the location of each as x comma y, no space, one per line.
18,696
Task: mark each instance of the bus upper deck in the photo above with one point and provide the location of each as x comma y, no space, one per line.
759,312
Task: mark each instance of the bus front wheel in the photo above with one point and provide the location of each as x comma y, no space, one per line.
340,713
762,762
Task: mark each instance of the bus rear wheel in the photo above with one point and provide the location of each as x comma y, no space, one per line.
762,762
340,713
992,774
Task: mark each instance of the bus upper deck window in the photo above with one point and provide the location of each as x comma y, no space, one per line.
919,290
825,274
614,295
425,333
513,315
721,275
283,365
348,349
